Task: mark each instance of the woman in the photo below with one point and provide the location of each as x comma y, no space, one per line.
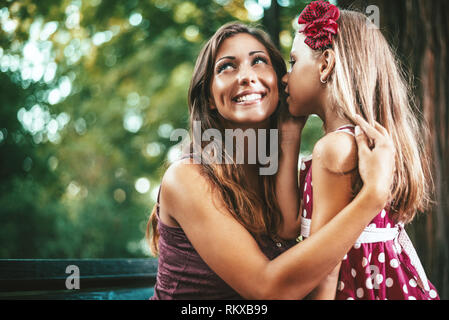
221,232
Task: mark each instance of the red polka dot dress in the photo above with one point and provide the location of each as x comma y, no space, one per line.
382,264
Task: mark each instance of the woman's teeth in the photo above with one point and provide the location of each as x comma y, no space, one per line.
250,97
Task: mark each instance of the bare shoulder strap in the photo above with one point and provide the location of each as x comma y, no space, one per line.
349,129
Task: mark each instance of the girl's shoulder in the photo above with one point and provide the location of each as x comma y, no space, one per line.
337,152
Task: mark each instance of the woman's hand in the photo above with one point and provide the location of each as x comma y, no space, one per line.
287,192
376,158
291,129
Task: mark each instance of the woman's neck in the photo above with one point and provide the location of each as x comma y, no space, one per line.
251,170
245,126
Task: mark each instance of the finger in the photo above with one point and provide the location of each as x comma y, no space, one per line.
362,140
369,130
386,140
380,128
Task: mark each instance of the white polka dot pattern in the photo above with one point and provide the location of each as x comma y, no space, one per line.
374,271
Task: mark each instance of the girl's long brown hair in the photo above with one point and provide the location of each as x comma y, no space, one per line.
368,80
260,215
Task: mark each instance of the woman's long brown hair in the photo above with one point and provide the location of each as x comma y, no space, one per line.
259,214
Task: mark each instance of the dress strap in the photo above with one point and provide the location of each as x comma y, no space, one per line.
349,129
158,202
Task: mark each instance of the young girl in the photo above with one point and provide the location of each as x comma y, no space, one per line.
343,68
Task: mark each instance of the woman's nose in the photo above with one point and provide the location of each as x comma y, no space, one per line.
246,76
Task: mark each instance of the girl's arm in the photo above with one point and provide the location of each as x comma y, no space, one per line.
333,170
287,192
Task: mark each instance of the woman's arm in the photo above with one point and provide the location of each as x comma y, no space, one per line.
229,250
333,170
287,192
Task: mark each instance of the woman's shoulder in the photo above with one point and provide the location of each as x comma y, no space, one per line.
183,189
337,152
181,176
189,197
185,181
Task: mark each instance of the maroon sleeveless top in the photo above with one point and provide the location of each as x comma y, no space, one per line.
183,275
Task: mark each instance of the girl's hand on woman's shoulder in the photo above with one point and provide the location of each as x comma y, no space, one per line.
376,158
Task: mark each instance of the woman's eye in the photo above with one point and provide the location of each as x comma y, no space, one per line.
259,60
224,67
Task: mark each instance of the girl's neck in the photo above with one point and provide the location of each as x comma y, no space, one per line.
332,121
334,124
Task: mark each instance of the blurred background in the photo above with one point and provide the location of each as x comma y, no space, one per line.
90,91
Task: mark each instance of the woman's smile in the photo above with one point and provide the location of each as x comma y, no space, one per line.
248,98
245,85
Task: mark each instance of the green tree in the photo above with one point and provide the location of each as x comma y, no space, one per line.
90,92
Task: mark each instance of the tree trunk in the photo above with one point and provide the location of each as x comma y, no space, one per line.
420,31
271,22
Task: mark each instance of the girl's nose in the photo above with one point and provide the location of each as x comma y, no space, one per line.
285,79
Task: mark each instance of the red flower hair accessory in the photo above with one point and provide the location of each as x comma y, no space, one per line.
319,23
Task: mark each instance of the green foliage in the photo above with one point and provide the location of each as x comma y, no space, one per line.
89,92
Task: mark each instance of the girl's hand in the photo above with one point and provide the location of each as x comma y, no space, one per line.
376,158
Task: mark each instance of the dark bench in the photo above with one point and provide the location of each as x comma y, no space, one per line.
99,279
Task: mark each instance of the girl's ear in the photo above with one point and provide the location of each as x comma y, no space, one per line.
327,65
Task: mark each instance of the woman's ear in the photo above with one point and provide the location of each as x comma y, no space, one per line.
327,65
212,105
